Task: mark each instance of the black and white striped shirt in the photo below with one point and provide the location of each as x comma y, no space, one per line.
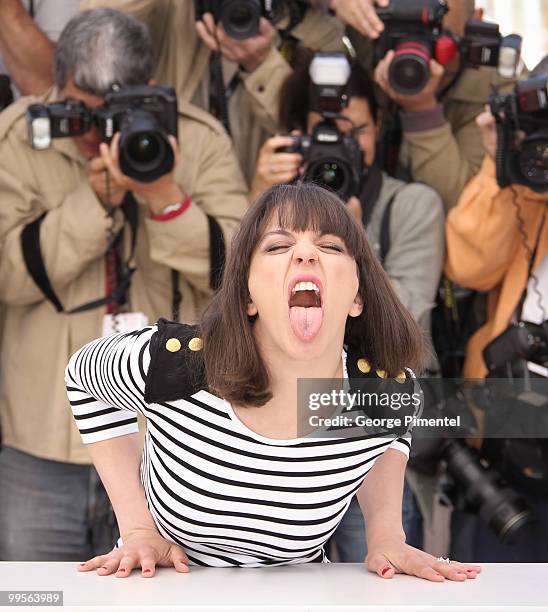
227,495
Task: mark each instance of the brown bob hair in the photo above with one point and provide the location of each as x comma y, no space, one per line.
385,333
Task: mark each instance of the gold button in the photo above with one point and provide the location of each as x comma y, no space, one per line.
363,366
173,345
400,377
381,373
196,344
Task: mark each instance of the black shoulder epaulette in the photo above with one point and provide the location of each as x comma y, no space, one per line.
366,379
176,365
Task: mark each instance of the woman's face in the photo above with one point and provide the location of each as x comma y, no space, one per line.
303,286
361,120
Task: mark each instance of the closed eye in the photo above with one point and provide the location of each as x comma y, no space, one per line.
333,247
276,247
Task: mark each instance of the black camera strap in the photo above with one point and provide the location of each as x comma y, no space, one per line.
532,257
34,261
217,254
218,101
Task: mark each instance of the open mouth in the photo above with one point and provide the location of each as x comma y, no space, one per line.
305,308
305,294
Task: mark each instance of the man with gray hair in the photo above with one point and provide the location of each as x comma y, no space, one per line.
85,249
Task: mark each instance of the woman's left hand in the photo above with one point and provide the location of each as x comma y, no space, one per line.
389,558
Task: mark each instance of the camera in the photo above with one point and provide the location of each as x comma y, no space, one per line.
332,159
523,340
143,115
414,29
475,486
525,161
240,18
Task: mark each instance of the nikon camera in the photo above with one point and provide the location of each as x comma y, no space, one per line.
332,159
523,112
240,18
413,28
145,116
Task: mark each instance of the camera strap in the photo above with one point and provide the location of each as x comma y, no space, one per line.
218,101
217,253
34,261
532,257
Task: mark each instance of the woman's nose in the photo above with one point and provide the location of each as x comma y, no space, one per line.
305,253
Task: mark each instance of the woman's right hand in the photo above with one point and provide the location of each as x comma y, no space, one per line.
144,548
275,168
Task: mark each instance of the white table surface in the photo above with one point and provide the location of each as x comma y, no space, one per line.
315,587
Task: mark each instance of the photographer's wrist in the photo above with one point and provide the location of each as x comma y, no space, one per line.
423,121
418,104
161,197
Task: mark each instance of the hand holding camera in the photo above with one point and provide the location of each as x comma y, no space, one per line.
423,100
414,45
158,194
521,119
249,53
360,14
274,167
488,128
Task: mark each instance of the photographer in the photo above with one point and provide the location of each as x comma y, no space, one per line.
404,223
27,31
440,142
192,51
88,249
497,241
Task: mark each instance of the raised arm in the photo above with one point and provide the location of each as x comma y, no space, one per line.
26,50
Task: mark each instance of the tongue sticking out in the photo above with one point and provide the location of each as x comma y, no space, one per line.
305,315
305,322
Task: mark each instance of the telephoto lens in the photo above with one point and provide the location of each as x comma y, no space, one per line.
485,492
145,151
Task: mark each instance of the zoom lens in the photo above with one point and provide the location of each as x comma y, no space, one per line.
500,506
240,18
409,70
533,159
145,151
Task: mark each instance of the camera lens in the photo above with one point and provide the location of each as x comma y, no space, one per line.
145,152
332,174
506,512
145,148
533,159
409,70
240,18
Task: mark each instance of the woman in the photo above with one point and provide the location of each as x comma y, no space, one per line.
404,223
224,479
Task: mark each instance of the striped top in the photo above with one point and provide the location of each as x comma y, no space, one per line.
227,495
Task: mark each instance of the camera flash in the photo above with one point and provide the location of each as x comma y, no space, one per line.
330,69
40,133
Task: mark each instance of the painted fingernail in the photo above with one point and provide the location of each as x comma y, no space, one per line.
385,569
147,571
82,564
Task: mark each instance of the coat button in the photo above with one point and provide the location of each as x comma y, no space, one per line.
173,345
196,344
381,373
400,377
363,366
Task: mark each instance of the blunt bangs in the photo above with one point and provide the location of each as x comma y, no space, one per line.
305,207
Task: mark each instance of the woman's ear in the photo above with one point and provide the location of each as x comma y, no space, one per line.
357,307
251,309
